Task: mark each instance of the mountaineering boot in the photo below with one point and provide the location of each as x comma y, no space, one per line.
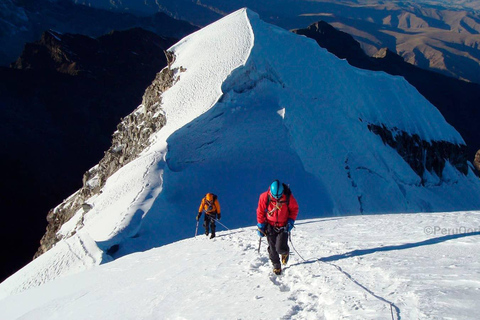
277,270
285,258
206,233
212,236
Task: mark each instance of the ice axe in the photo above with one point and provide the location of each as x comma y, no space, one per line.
196,229
260,239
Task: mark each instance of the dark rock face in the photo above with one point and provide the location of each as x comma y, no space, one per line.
422,155
23,21
476,162
457,100
76,55
337,42
68,54
129,140
60,103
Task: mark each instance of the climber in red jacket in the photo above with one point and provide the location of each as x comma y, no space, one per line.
276,214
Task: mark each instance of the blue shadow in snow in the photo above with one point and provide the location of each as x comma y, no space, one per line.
362,252
319,220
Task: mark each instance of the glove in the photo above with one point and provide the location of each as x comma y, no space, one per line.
198,216
219,216
261,229
290,224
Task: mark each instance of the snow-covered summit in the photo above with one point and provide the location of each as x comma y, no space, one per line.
252,103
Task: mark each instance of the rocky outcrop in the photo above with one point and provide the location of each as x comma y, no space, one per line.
61,102
422,155
129,140
132,134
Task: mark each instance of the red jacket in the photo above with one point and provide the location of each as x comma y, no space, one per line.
277,213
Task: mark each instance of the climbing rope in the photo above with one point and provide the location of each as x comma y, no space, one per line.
392,305
216,220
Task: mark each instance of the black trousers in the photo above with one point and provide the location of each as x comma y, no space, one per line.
209,222
277,244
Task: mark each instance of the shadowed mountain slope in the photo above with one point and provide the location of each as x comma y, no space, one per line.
60,104
457,100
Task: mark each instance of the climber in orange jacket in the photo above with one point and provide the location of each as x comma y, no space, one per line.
276,214
211,207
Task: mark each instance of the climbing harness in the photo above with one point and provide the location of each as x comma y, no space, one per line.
277,206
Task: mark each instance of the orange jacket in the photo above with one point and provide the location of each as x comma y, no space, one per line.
209,206
278,212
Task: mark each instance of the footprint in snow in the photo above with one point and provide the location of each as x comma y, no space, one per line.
276,281
258,262
295,310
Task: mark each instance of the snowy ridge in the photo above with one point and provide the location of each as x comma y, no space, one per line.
208,62
253,103
73,255
346,268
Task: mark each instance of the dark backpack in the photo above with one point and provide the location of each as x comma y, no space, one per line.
213,202
214,196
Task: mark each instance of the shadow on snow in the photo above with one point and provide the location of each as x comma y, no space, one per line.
362,252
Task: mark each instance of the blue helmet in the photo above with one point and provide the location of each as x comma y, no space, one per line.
276,189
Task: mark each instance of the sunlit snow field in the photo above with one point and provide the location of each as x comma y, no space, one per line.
416,266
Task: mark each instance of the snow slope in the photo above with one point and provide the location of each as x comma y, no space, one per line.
408,266
253,103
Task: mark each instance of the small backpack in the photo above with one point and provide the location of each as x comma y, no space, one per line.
214,196
212,204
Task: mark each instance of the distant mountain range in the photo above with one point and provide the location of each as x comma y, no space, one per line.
435,37
23,21
443,36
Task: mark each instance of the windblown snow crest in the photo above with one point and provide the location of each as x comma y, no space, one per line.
131,138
